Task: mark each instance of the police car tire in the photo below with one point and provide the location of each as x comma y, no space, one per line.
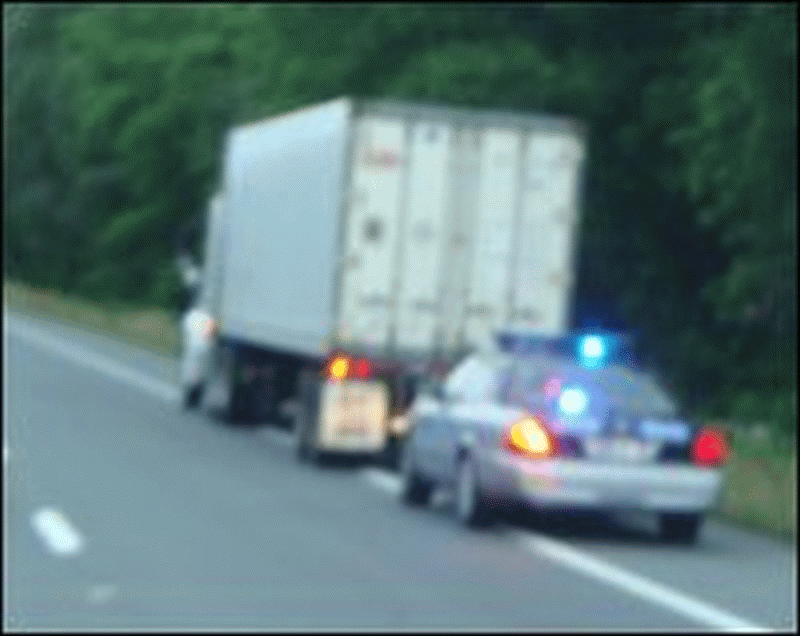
472,509
680,528
414,491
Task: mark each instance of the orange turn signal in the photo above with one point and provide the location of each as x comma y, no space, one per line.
529,436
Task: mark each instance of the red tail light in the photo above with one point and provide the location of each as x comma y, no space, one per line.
529,436
709,448
363,369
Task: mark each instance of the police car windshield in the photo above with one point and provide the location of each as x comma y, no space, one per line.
615,386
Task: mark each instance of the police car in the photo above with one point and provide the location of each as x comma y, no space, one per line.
561,424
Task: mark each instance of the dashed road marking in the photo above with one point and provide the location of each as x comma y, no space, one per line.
56,532
99,594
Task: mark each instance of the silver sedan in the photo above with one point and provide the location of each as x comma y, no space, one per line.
550,434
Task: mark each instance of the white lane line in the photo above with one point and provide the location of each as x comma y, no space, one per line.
56,532
636,585
605,573
96,362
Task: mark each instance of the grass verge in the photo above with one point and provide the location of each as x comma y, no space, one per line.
151,328
760,479
761,486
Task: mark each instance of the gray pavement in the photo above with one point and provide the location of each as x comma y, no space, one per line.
190,523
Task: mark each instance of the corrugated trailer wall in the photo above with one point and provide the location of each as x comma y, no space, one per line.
459,221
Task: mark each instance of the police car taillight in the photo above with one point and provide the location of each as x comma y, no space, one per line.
529,436
709,448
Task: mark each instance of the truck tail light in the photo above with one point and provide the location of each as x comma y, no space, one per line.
529,436
341,367
709,448
338,368
363,369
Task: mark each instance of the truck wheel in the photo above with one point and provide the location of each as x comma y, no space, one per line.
471,508
305,418
192,397
390,458
414,491
234,408
680,528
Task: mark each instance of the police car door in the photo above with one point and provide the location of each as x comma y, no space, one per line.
463,422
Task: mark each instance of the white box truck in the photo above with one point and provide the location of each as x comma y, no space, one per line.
357,246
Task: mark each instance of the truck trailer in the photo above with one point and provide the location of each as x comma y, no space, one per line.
357,247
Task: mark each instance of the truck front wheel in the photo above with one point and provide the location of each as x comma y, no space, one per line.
233,399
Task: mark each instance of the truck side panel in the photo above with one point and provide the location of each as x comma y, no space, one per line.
283,181
211,289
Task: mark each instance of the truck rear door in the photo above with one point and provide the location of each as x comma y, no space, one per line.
543,275
372,232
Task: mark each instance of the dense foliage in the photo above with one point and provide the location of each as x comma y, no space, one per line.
115,115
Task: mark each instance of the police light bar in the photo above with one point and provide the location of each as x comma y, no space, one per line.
591,349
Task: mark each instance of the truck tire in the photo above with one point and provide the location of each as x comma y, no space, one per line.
305,418
391,458
192,397
234,407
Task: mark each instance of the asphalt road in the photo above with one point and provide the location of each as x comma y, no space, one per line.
121,511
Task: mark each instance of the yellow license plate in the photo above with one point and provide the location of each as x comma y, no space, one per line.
353,412
353,428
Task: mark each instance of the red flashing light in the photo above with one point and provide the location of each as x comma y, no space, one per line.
552,388
709,448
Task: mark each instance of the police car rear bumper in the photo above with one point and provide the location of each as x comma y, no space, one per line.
580,484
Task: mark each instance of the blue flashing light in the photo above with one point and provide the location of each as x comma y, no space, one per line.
593,347
593,351
573,400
